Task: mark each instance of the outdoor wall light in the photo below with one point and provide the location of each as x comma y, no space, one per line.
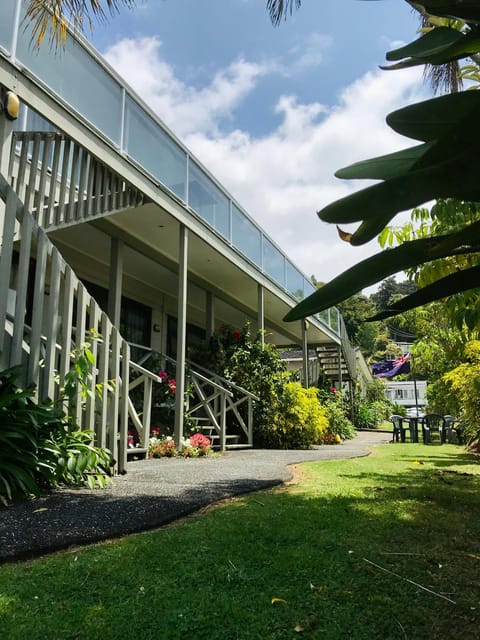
11,105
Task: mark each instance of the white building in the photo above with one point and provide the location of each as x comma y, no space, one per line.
403,393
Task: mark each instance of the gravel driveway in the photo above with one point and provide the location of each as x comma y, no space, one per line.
153,493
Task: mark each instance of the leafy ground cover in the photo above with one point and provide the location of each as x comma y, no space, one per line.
380,547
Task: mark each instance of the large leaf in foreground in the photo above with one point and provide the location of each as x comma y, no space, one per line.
383,264
439,46
432,119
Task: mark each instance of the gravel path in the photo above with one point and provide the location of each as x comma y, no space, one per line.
151,494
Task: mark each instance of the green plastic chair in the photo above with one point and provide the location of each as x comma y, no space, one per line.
433,423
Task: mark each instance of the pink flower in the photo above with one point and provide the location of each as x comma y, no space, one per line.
173,385
162,375
199,440
333,390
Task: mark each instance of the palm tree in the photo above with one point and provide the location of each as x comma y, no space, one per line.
56,13
279,9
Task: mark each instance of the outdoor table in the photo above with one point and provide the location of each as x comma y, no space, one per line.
413,428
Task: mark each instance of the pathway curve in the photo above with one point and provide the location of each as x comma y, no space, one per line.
153,493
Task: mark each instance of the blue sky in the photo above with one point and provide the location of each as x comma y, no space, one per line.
272,112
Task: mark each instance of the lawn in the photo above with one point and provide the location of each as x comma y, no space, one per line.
383,547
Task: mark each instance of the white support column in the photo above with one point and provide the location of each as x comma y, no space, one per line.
181,332
210,314
261,312
115,281
306,381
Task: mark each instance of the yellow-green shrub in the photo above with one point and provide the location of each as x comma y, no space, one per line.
300,420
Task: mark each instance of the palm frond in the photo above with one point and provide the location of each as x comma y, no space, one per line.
279,9
54,15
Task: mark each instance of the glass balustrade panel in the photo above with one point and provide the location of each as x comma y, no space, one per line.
273,262
74,75
208,200
152,148
7,14
294,281
246,237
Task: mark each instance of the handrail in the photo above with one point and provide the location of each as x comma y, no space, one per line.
228,382
145,372
214,401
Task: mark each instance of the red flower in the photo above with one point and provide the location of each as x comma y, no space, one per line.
237,335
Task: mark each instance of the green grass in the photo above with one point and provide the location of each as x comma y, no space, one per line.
216,575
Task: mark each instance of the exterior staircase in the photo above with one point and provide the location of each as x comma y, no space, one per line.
57,183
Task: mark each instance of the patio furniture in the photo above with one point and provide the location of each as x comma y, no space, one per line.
413,428
450,435
432,423
398,428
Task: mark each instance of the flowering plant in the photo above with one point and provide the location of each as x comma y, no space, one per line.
162,447
195,446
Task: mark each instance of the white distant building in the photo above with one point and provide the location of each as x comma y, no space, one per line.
403,393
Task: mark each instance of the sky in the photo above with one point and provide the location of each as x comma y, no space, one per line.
273,112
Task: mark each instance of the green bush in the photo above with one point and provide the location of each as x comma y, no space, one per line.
340,426
23,467
40,447
371,414
246,361
299,422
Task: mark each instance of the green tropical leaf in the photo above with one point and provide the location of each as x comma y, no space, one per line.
430,119
384,167
437,47
433,42
467,10
384,264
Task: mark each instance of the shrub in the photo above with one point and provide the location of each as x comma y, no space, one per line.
340,426
244,360
22,424
40,447
370,414
299,421
464,385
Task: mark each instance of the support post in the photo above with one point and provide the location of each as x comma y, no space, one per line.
115,281
261,313
210,314
306,381
181,332
6,132
340,377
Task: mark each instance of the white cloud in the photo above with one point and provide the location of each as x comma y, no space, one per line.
183,108
310,53
284,177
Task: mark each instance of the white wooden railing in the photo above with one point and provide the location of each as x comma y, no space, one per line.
67,184
219,408
35,277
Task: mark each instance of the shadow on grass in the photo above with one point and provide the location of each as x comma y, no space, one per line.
359,550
